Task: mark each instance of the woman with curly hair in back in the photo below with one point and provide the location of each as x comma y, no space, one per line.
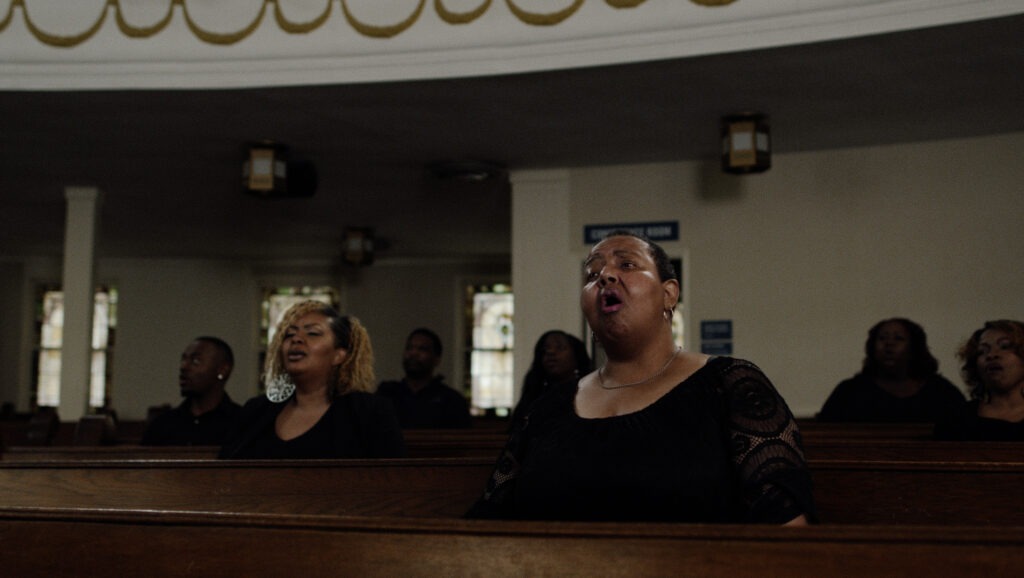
993,367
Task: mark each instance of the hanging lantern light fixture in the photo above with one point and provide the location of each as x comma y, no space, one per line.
746,144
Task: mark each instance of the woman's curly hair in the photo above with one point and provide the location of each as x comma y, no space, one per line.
354,374
968,353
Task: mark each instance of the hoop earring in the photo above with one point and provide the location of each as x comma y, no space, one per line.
280,388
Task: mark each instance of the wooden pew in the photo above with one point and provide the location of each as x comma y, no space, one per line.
918,492
419,443
888,431
137,543
112,453
846,491
867,449
443,487
488,441
846,444
426,443
489,446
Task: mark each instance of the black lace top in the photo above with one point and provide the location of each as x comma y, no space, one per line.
722,446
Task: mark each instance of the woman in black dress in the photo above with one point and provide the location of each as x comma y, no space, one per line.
559,359
900,380
656,433
993,366
319,400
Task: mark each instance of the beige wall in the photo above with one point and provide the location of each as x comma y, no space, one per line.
803,259
164,303
806,257
392,299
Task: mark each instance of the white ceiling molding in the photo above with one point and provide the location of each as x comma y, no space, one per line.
149,44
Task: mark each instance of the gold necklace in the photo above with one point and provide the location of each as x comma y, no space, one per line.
600,374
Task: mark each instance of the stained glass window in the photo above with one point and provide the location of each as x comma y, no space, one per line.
51,339
493,339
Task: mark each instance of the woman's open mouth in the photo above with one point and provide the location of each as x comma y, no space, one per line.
610,302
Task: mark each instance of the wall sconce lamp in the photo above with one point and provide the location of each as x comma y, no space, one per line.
746,144
357,246
265,169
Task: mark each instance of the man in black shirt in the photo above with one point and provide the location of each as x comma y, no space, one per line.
422,399
204,417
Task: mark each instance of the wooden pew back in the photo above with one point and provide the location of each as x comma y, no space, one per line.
489,445
114,453
406,487
50,543
918,492
846,492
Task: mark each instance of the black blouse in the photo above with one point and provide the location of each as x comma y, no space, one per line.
722,446
861,399
967,425
357,425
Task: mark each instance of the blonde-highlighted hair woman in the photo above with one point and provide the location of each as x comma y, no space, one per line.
354,374
319,400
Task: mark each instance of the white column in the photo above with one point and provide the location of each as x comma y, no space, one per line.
546,270
79,288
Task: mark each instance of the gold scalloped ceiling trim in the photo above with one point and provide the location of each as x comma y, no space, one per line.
217,37
55,39
132,31
10,15
382,31
292,27
538,19
299,27
460,17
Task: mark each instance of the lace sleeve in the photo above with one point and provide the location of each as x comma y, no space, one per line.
766,446
496,501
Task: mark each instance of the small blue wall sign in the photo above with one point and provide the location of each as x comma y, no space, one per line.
716,337
656,231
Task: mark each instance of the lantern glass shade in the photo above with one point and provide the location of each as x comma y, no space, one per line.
265,169
746,144
357,246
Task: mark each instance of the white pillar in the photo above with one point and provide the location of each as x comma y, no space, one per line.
546,267
79,288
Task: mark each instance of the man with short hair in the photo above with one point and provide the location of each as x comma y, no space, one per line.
422,399
207,412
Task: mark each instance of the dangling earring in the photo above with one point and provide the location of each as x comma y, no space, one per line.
220,377
667,313
280,388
